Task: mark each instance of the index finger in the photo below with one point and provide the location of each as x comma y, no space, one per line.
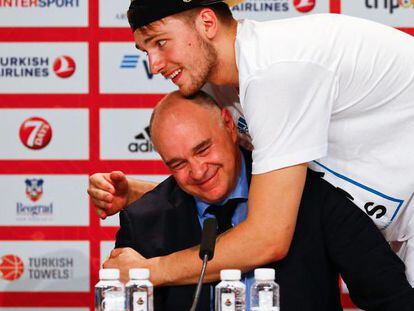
101,181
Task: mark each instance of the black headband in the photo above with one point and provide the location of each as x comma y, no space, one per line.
144,12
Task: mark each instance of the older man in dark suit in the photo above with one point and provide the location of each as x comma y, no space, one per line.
210,176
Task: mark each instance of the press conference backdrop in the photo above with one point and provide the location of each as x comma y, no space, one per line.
75,98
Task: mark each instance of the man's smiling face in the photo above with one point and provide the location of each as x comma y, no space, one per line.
199,146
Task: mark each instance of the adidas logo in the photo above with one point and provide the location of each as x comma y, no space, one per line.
142,142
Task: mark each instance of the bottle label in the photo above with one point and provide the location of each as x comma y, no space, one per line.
265,299
228,302
113,301
140,301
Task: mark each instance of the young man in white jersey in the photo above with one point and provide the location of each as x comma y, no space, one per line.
331,91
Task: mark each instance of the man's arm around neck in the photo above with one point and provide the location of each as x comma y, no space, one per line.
264,237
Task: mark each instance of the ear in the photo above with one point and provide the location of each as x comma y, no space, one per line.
208,22
229,123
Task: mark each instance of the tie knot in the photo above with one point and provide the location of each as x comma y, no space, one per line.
224,213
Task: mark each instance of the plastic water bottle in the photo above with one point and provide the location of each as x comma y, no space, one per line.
139,291
264,293
109,292
230,292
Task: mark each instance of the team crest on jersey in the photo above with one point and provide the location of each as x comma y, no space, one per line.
34,189
242,125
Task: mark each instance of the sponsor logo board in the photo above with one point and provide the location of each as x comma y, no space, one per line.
44,134
125,135
113,221
344,287
38,68
112,13
277,9
124,69
44,200
58,266
44,309
396,13
43,13
106,247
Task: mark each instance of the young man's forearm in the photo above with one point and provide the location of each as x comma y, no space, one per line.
264,237
184,267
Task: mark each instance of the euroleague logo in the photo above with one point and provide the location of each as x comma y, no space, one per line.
11,267
35,133
304,6
64,66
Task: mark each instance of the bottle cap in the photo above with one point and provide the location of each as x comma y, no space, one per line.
264,274
109,274
139,274
230,275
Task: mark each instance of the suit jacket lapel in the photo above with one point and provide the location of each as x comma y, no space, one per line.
184,215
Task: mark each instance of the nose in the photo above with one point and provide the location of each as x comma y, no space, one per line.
156,63
198,170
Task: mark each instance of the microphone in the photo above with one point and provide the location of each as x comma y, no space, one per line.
208,242
208,238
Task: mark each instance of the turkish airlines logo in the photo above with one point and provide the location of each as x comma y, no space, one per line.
304,6
11,267
64,66
35,133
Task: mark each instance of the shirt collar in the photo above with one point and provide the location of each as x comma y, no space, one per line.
241,191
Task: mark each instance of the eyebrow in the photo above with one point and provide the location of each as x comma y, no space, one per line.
172,161
145,42
196,149
150,38
202,145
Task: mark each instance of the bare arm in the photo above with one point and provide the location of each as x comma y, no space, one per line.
264,237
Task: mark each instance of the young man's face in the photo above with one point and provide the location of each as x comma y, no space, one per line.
200,151
176,50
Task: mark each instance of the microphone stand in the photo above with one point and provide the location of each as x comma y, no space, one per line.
208,242
200,283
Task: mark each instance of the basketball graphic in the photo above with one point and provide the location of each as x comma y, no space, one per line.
11,267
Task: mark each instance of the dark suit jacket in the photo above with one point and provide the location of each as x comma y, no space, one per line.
332,236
